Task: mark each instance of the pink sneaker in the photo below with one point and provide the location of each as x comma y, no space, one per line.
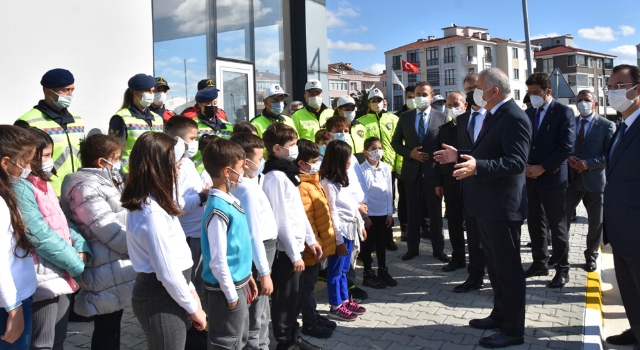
354,307
342,314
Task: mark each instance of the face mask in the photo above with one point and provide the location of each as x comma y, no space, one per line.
323,149
115,166
350,115
422,102
259,166
411,103
47,167
63,102
454,112
618,99
470,100
146,100
159,98
210,111
440,108
276,107
585,109
192,149
537,101
315,102
234,184
293,153
314,168
376,155
341,136
25,173
477,97
377,107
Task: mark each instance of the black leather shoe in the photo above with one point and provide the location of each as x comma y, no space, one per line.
590,266
316,330
500,340
484,323
625,338
468,286
409,255
559,280
454,265
391,246
536,271
442,256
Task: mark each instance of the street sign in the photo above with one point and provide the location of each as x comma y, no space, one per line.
559,86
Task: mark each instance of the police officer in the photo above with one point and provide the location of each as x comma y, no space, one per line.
192,112
209,121
438,103
51,115
314,115
273,100
134,117
159,97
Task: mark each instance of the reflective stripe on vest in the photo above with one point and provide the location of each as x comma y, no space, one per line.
135,128
204,129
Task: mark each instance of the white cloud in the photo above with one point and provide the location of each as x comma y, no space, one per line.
626,54
349,46
375,68
334,21
626,30
597,33
337,17
360,29
540,36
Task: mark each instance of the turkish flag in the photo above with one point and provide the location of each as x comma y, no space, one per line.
410,67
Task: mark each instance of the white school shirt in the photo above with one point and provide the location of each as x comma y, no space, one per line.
356,181
379,190
341,204
206,179
156,244
262,224
189,187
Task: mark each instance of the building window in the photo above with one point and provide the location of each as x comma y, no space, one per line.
600,83
396,62
571,61
571,79
432,56
413,78
470,52
337,85
433,76
608,63
353,86
487,54
384,83
448,92
414,57
515,53
582,79
572,100
398,102
395,87
436,91
547,65
581,60
516,95
516,74
590,81
449,55
471,70
599,63
449,77
590,62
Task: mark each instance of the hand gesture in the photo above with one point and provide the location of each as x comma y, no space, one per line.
419,156
447,155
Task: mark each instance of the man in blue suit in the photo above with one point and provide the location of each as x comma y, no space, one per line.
553,139
586,171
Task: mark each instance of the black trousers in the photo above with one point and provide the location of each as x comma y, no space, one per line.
549,206
627,268
455,219
593,203
477,262
501,243
376,235
285,299
106,331
419,192
403,210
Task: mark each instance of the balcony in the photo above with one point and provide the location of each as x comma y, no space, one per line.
469,60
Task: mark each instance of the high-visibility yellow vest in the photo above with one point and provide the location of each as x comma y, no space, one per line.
135,128
382,128
225,132
307,124
262,122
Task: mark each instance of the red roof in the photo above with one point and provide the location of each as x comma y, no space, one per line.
560,49
427,43
341,67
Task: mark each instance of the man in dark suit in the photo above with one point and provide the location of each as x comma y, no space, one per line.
586,171
622,190
416,138
547,177
494,194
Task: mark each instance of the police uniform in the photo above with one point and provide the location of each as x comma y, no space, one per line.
209,125
193,111
306,120
162,111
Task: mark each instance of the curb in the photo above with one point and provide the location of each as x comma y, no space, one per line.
593,316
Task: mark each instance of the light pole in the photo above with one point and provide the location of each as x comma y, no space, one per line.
525,14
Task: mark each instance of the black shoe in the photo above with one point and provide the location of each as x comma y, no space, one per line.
316,330
391,246
500,340
196,340
453,265
536,271
357,294
305,345
484,323
625,338
552,261
384,276
372,281
322,275
327,323
468,286
560,279
591,266
442,256
409,255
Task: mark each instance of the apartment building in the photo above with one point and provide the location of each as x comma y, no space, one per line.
346,80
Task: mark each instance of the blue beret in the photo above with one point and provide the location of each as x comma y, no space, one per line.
57,77
141,82
207,95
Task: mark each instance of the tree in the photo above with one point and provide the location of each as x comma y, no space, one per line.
362,102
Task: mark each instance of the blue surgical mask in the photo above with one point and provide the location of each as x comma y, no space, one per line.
63,102
440,108
323,148
341,136
276,107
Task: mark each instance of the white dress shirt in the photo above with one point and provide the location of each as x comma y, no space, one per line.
495,108
341,204
378,183
477,126
630,119
427,117
356,181
189,187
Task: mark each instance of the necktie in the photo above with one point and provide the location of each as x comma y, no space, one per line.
581,132
484,122
623,128
536,122
472,126
421,131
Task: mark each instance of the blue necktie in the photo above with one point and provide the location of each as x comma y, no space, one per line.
623,128
472,126
421,131
536,122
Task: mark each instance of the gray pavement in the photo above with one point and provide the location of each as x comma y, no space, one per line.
422,312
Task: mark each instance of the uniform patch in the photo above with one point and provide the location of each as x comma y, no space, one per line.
360,133
389,126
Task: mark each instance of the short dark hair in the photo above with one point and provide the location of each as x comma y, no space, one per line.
219,154
204,140
244,126
335,121
179,125
540,79
321,135
410,88
307,150
98,146
527,98
470,76
278,134
424,83
334,162
249,142
585,91
634,71
368,142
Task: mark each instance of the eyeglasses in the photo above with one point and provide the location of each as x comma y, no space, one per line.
618,86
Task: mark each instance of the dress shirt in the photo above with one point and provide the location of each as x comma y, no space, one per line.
426,118
587,125
630,119
379,189
495,108
544,107
189,187
482,113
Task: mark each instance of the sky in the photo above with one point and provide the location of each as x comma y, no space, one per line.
360,31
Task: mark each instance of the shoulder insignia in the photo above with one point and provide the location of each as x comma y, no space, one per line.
360,133
389,126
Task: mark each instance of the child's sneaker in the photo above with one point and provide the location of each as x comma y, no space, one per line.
385,277
369,279
342,314
354,307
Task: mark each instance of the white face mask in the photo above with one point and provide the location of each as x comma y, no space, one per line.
477,97
23,175
377,107
341,136
422,102
376,155
63,102
585,109
277,107
192,149
411,103
350,115
260,167
314,168
537,101
146,100
234,184
293,153
315,102
618,99
454,112
115,166
159,98
47,167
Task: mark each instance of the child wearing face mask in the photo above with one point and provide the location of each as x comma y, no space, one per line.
61,252
322,140
226,249
317,208
264,232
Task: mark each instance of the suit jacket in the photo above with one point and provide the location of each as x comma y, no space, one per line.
594,150
621,192
405,139
448,134
498,190
553,145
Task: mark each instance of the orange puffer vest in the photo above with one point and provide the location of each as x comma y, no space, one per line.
317,209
